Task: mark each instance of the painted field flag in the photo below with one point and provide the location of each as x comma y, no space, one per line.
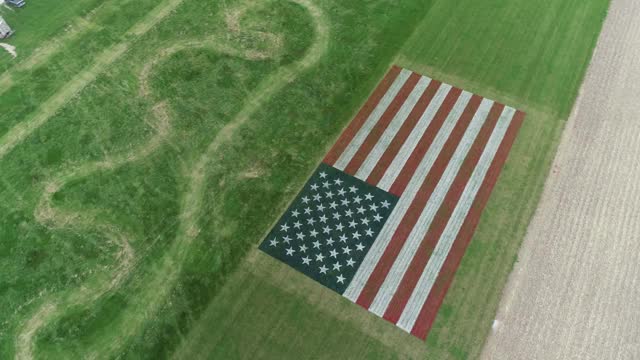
387,216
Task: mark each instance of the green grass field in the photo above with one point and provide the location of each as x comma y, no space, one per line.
147,146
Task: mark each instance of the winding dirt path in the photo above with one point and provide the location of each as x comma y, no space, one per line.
164,278
56,218
574,293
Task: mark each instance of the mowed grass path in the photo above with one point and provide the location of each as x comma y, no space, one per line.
199,298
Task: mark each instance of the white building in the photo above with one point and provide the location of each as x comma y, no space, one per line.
5,30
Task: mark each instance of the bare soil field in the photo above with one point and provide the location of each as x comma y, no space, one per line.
574,292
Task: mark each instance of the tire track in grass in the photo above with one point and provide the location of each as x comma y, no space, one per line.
55,218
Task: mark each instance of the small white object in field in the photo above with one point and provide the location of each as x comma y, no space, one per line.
10,48
495,325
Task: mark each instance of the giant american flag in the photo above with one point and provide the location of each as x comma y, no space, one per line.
388,214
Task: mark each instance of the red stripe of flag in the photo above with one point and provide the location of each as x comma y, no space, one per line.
425,142
412,215
361,117
430,240
445,277
402,134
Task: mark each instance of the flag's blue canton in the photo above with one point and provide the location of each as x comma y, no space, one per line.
330,226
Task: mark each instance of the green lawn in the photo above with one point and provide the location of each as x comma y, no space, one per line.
144,159
41,23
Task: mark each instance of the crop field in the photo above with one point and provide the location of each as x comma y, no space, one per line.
146,148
